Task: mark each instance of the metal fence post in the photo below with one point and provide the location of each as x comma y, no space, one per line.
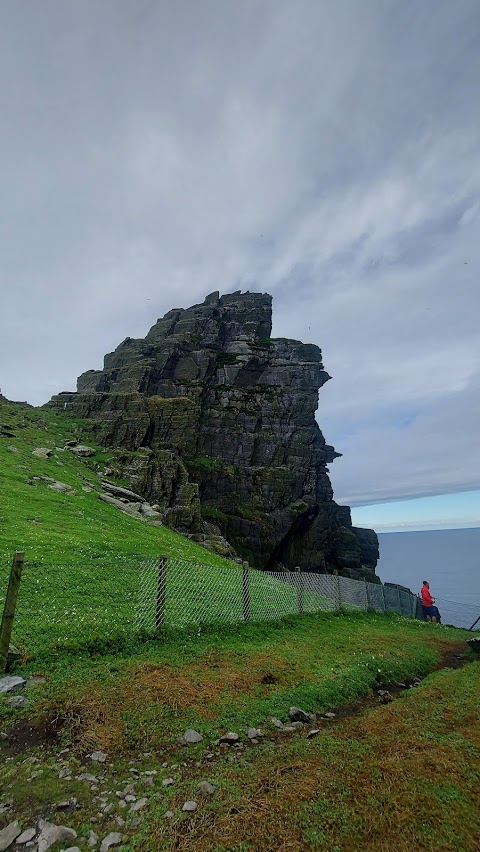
246,590
9,608
161,592
299,586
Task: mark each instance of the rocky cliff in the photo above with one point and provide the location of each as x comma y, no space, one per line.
213,422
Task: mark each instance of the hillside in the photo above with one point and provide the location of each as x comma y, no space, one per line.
61,527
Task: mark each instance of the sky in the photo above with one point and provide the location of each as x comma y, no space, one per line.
325,152
445,511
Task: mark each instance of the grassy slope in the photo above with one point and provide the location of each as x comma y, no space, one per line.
57,528
81,579
398,777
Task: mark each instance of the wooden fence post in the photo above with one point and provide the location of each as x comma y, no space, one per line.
161,592
299,585
367,604
9,608
246,590
336,589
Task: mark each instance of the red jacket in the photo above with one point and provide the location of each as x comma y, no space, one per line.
427,599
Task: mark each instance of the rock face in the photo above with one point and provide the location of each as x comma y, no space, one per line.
213,423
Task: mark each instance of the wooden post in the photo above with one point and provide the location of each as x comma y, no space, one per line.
246,590
299,585
336,590
366,593
9,608
161,592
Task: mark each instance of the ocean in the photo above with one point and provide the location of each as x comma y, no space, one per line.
448,559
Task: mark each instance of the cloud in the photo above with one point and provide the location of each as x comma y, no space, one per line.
154,152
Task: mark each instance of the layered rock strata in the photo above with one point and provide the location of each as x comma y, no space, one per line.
214,422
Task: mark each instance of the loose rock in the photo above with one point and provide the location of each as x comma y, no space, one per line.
138,805
26,835
167,781
254,733
18,702
50,834
313,733
296,714
229,739
276,722
112,839
190,806
10,683
206,788
92,840
98,756
83,451
192,736
8,835
42,452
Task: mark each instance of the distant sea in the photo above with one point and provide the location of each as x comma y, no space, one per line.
448,559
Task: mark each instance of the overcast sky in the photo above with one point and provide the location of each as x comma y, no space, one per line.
325,152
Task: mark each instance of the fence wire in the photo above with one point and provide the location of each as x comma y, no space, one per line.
98,601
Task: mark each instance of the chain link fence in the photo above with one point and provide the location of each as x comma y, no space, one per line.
179,594
97,603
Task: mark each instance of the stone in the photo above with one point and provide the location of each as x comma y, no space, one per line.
92,839
42,452
82,451
72,849
18,702
206,788
26,836
191,736
209,404
313,733
8,835
276,722
254,733
149,512
10,683
190,806
98,756
50,834
330,715
138,805
35,681
296,714
167,782
61,487
112,839
229,739
169,814
117,491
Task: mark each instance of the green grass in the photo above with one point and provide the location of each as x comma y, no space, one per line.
404,775
87,562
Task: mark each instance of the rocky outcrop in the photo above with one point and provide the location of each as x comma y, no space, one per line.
213,421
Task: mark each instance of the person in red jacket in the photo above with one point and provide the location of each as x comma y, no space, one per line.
429,610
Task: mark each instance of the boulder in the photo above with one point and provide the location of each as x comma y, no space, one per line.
11,683
42,452
8,835
50,834
82,451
